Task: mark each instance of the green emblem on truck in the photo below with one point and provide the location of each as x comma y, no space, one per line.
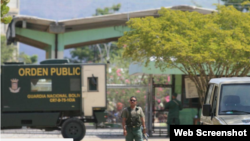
14,86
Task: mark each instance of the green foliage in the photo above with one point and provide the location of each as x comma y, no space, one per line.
33,59
240,5
83,53
28,59
97,53
107,10
212,45
4,10
6,51
92,53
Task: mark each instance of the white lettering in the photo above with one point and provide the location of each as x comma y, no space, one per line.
199,132
245,132
178,132
190,133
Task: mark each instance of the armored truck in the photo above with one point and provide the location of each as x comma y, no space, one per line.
53,95
227,102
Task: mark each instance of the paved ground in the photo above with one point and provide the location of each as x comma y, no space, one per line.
91,134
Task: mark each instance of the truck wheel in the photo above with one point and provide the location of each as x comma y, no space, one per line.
73,128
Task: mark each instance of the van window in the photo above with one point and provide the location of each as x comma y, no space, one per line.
234,99
209,93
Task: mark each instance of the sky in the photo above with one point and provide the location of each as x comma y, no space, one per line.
70,9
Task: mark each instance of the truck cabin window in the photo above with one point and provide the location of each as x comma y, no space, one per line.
41,85
92,83
234,99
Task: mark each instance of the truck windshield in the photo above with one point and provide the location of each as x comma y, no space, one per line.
235,99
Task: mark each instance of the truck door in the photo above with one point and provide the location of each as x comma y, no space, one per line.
212,120
208,100
93,87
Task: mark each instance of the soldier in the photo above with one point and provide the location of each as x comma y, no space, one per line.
174,107
132,120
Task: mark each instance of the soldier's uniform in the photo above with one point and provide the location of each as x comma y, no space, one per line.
174,107
133,123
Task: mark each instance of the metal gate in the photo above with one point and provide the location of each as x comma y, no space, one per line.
161,93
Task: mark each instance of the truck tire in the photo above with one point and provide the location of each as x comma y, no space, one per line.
73,128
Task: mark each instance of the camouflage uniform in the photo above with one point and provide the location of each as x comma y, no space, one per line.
133,123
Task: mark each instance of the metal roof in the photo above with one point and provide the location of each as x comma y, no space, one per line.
41,24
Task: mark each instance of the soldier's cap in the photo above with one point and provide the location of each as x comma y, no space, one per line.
174,94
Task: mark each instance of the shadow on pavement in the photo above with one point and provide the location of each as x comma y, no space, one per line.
122,137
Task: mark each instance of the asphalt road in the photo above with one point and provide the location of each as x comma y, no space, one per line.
91,135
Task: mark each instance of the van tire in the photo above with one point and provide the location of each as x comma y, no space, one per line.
73,128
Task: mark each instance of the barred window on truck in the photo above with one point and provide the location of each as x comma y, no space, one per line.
41,85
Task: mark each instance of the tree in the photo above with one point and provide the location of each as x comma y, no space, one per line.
240,5
104,49
6,51
212,45
28,59
4,10
98,52
107,10
83,53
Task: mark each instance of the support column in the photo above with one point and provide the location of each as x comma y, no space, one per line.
56,46
149,110
60,52
60,48
50,53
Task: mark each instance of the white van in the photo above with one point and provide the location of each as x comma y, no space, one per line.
227,102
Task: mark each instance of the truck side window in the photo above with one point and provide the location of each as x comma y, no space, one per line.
92,83
209,93
41,85
215,99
